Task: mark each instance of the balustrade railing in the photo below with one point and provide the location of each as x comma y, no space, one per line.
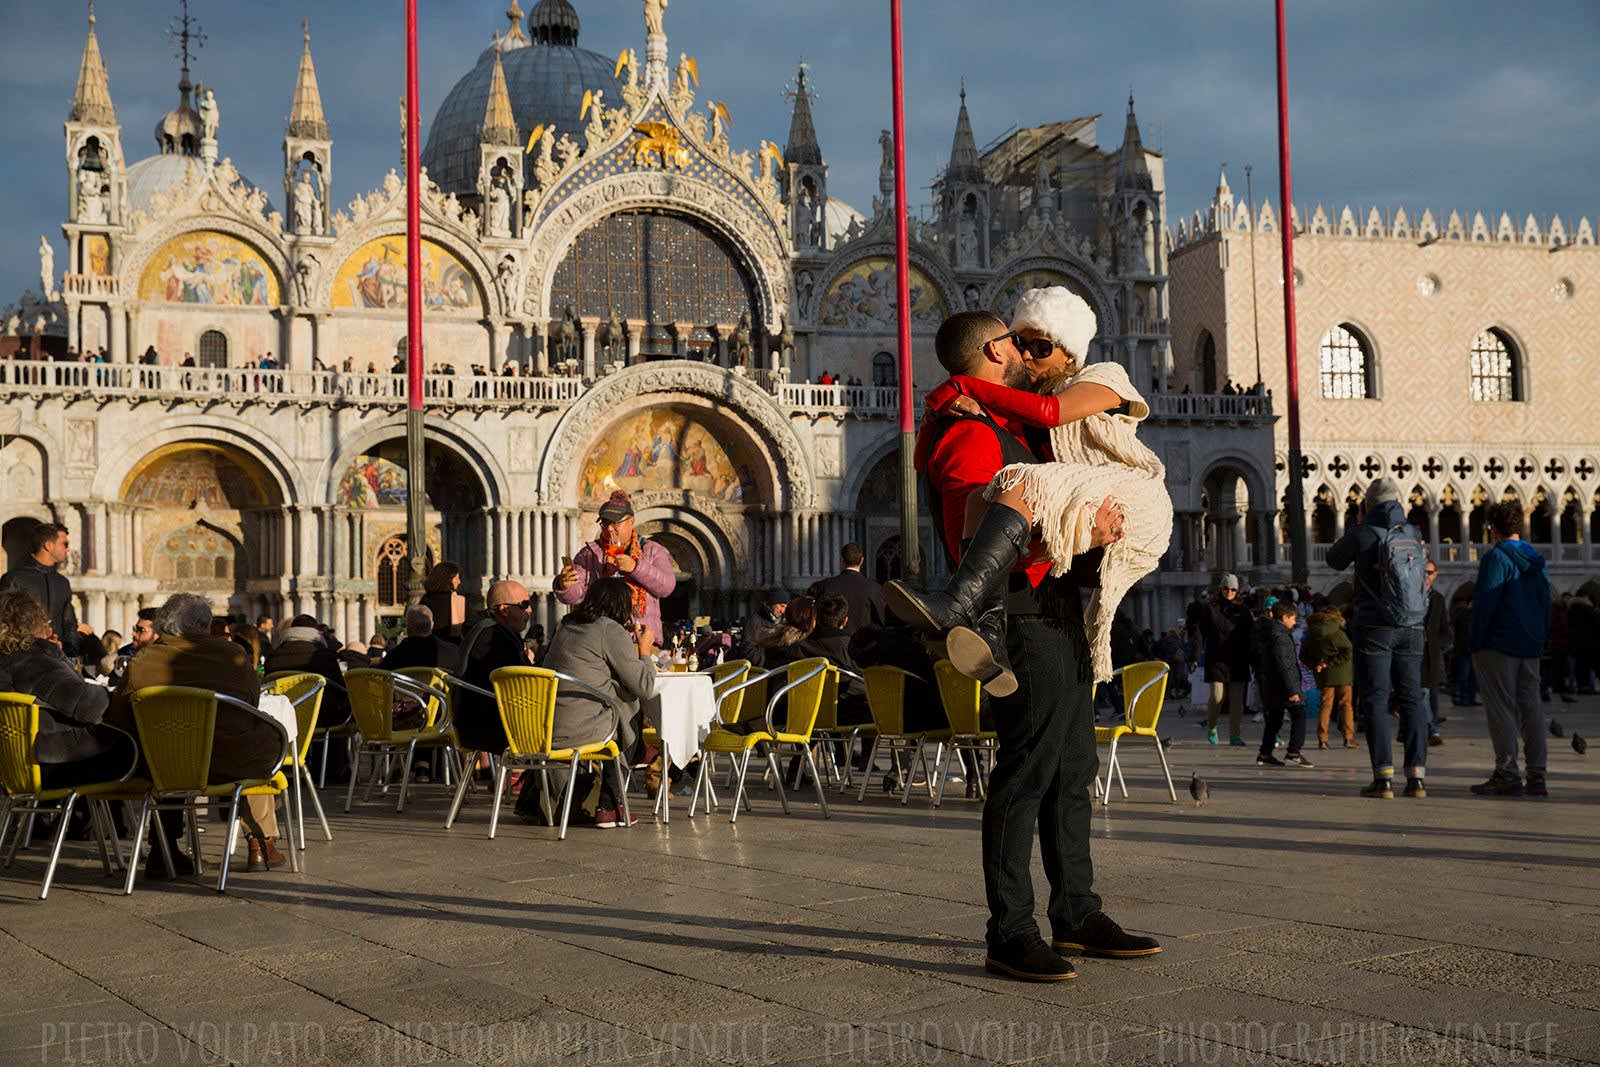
1224,406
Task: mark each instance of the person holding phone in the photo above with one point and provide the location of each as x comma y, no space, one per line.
619,552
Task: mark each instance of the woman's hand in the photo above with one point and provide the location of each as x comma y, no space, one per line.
644,639
1107,527
964,405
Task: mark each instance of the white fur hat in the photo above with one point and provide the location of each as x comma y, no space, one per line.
1059,314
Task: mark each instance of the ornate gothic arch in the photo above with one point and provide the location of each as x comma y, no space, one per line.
457,241
493,484
204,429
931,266
152,240
862,466
1074,267
758,244
717,536
731,393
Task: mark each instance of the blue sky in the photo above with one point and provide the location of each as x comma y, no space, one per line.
1442,104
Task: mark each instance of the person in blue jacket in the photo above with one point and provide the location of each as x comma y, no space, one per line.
1510,619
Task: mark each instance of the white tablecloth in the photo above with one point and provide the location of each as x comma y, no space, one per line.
682,711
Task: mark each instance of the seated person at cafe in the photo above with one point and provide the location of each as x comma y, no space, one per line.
302,648
74,747
780,645
243,746
831,641
600,644
494,641
421,647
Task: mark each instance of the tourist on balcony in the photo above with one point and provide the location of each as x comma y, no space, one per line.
619,551
1510,620
1390,607
40,576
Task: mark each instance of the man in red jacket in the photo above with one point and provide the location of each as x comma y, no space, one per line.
1046,757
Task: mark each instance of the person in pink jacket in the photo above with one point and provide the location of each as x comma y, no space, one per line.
620,550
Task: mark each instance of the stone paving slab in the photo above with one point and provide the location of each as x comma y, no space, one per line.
1302,924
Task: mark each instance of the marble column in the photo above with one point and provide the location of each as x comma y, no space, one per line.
498,332
589,327
119,333
538,331
635,338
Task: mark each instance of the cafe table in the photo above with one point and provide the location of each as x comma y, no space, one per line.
683,710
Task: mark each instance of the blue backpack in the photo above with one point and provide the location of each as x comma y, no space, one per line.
1400,576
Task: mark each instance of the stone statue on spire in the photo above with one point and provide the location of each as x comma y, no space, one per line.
653,12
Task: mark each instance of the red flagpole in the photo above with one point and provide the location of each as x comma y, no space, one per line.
911,556
416,478
1299,564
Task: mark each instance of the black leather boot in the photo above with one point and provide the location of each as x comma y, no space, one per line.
1000,539
979,651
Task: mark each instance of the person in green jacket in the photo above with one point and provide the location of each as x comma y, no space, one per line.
1328,652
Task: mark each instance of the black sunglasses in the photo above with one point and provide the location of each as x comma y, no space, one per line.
525,605
1038,348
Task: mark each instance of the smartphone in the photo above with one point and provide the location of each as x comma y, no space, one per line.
566,561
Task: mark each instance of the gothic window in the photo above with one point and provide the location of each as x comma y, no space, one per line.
884,371
213,349
391,567
1495,368
662,269
1346,362
1205,359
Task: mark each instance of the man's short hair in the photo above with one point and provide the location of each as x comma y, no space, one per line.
960,340
148,614
44,535
833,611
264,620
184,615
419,620
303,620
851,555
1506,518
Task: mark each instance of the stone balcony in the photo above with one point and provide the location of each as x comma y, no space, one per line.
243,386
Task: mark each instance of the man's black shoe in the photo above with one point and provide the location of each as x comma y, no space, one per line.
1099,935
1029,959
155,868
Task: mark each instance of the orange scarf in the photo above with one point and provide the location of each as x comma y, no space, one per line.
641,599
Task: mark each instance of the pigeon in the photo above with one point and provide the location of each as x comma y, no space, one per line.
1555,728
1166,742
1579,745
1199,790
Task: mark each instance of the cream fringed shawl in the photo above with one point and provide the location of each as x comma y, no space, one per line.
1097,457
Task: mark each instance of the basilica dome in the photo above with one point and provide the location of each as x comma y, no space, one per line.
546,74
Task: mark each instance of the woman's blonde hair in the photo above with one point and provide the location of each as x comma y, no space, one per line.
20,620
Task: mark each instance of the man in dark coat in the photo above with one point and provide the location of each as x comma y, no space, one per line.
1221,628
1277,669
494,641
421,647
831,641
863,595
40,574
302,648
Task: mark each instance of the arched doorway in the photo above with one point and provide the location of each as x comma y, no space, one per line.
371,494
24,488
212,523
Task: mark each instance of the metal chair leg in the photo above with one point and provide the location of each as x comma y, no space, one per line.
743,768
300,803
350,790
461,791
194,841
1161,751
55,850
777,776
872,763
405,776
233,841
566,803
944,774
816,780
622,790
98,828
145,815
1111,766
499,792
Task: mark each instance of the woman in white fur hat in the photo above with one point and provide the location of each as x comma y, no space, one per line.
1091,411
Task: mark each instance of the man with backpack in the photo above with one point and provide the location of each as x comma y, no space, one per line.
1391,604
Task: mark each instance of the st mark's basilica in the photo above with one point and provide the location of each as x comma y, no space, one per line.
619,293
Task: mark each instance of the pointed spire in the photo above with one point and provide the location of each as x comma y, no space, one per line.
964,165
1132,169
1222,182
499,123
92,101
802,146
305,117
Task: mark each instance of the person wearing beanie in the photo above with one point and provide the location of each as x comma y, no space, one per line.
1099,461
1020,616
620,551
1390,606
